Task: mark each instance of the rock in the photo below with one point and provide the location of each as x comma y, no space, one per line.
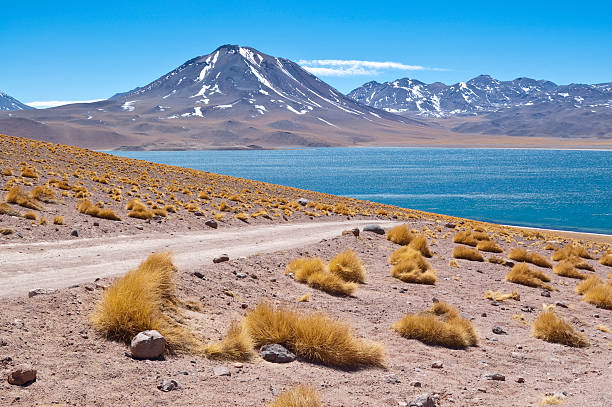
561,304
424,400
238,365
276,353
520,380
198,213
3,342
495,376
545,293
274,390
241,275
198,274
415,383
527,308
303,201
392,379
22,375
96,224
148,345
437,365
374,229
450,225
221,259
498,330
39,291
169,385
211,223
244,305
221,371
354,232
74,233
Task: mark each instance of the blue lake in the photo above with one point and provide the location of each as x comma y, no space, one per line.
555,189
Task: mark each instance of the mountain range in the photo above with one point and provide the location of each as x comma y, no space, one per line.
239,97
10,103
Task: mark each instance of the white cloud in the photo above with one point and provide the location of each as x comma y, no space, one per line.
54,103
351,67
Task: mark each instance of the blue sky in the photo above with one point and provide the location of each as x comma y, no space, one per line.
85,50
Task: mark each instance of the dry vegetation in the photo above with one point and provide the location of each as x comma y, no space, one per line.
596,292
520,254
316,274
410,266
462,252
570,250
299,396
550,328
348,266
400,234
439,325
522,274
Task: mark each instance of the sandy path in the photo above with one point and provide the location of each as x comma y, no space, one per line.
58,264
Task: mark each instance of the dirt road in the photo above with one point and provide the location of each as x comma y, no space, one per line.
58,264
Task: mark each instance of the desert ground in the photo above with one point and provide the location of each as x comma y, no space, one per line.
263,228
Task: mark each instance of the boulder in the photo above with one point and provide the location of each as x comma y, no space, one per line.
221,259
148,345
276,353
211,223
22,375
374,229
424,400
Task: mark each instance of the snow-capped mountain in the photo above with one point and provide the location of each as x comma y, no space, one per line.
243,82
479,95
10,103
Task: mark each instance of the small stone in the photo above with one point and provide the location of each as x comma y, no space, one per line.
198,213
303,201
498,330
391,379
168,385
39,291
74,233
520,380
244,305
424,400
450,225
415,383
495,376
238,365
96,224
221,371
211,223
241,275
22,375
274,390
527,308
437,365
374,229
148,345
484,315
198,274
561,304
3,342
276,353
221,259
545,293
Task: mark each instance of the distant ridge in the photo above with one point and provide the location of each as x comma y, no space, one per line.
10,103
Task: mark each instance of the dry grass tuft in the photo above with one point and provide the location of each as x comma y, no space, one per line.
348,266
465,237
6,231
43,194
565,268
420,243
499,296
570,250
489,246
300,396
411,267
439,325
144,299
315,337
400,234
462,252
17,196
304,298
551,400
497,260
587,284
551,328
85,206
237,345
58,220
5,209
313,272
603,328
522,274
520,254
596,292
606,260
31,215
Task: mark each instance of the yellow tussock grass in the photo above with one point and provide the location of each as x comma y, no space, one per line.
600,295
304,298
420,243
400,235
242,216
58,220
236,345
551,400
348,266
580,263
570,250
141,300
496,260
6,231
462,252
522,274
550,328
603,328
17,196
489,246
466,238
411,267
5,209
520,254
30,215
587,284
453,263
440,325
565,268
315,337
606,260
313,272
85,206
499,296
43,194
299,396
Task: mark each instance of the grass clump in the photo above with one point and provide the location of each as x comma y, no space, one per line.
606,260
58,220
299,396
85,206
237,345
43,194
137,209
400,235
520,254
419,243
411,267
565,268
313,272
315,337
439,325
17,196
522,274
31,215
570,250
6,231
5,209
596,292
499,296
550,328
348,266
465,237
489,246
141,300
462,252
